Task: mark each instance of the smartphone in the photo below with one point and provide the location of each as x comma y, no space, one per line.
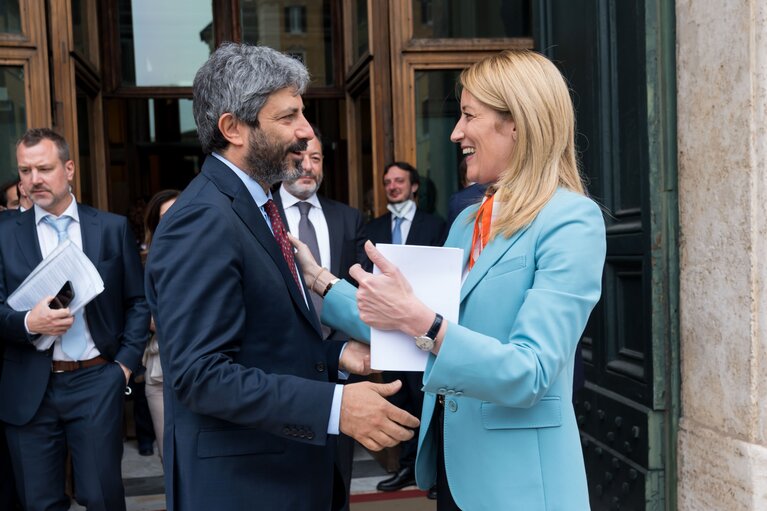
64,297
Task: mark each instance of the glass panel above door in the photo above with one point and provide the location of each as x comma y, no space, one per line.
163,44
10,19
301,29
448,19
13,118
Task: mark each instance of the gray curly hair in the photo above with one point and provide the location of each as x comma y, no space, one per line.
238,79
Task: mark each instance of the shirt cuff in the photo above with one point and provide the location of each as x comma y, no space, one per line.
26,327
335,410
342,375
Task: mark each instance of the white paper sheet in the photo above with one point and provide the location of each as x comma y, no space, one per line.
435,274
66,263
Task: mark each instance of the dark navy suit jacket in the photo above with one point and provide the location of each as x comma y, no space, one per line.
248,378
118,318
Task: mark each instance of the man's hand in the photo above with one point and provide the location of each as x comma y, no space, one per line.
44,320
126,372
370,419
356,359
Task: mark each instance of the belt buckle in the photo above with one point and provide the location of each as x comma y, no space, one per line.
54,371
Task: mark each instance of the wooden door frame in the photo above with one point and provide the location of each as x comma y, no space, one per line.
409,55
29,50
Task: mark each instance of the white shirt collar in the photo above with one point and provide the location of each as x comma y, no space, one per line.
251,184
71,211
289,199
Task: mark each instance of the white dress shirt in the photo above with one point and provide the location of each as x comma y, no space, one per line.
49,239
316,217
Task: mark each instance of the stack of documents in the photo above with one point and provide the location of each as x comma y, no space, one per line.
434,273
66,263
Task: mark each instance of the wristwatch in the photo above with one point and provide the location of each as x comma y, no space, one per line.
425,342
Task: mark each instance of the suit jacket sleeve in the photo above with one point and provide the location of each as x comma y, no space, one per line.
135,331
569,256
340,311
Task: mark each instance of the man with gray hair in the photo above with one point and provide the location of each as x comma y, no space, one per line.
252,402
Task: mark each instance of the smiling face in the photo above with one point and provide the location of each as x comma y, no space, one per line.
487,139
275,147
398,186
311,179
44,176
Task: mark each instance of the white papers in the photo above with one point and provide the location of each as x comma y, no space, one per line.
66,263
435,275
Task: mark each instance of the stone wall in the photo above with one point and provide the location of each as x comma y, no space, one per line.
722,136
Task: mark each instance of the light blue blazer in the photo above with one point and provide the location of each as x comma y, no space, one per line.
506,368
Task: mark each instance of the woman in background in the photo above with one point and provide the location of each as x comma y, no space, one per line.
498,429
158,205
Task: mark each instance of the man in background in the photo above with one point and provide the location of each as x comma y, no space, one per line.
9,195
69,396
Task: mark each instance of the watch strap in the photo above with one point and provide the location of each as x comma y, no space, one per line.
434,330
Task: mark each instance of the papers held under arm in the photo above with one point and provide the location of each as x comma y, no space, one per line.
435,275
66,263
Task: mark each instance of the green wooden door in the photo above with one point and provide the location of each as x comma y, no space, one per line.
618,56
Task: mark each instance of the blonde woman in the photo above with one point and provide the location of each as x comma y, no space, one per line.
498,429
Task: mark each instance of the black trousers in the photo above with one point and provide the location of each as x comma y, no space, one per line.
445,500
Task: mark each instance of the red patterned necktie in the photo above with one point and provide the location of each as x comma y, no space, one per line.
281,235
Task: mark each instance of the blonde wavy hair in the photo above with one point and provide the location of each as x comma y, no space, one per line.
528,87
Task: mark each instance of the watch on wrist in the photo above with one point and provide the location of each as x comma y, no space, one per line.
425,342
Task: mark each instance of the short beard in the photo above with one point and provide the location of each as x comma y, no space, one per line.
301,191
267,162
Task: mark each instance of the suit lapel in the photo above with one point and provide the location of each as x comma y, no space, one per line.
413,236
386,229
245,207
90,232
27,238
489,256
335,234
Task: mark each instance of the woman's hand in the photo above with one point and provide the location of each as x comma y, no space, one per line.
303,255
386,301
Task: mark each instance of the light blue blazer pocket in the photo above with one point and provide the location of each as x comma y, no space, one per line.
547,413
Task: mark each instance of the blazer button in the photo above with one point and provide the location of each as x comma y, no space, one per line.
320,367
441,391
310,435
450,392
286,430
452,405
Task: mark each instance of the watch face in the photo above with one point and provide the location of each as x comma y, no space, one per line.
424,343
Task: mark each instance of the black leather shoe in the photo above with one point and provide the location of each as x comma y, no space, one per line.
146,451
432,495
404,477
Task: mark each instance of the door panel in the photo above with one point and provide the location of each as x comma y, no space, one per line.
608,51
